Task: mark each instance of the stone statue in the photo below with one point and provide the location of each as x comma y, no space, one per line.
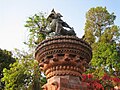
58,26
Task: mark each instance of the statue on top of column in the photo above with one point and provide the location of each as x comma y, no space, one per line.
57,25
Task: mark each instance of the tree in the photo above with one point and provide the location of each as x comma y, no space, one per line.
100,22
103,36
34,24
19,74
24,73
105,59
5,60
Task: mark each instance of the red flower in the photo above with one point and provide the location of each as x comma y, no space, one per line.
94,83
106,77
115,79
84,77
98,86
90,76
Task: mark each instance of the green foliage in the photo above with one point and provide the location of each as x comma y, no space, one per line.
111,35
34,24
106,56
20,73
23,74
5,60
98,22
103,36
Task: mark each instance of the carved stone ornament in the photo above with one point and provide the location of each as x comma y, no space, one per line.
63,55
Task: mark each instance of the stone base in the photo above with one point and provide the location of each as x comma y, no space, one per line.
65,83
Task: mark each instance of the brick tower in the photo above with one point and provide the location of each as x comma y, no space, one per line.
63,60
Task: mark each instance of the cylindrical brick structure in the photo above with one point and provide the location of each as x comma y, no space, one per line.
63,59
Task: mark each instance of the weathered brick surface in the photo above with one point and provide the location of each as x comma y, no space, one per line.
65,83
63,59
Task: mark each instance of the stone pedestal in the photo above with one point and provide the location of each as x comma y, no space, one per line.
63,59
65,83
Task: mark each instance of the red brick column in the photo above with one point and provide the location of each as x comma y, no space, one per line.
65,83
63,59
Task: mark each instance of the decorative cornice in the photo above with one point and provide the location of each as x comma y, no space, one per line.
63,55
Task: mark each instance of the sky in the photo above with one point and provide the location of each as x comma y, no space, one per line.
14,13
